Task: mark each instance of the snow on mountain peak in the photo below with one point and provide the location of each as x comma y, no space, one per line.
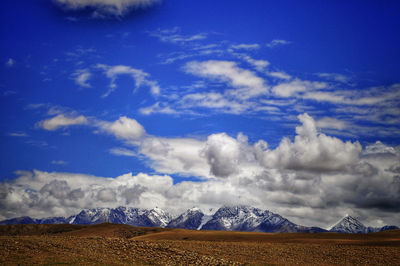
349,224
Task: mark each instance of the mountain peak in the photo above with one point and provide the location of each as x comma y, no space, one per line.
194,209
349,224
190,219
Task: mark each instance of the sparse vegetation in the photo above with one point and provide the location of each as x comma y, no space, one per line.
112,244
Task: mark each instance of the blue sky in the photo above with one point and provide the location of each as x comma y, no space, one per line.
287,106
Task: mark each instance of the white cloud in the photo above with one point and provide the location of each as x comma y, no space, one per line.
379,148
62,120
18,134
335,76
259,65
106,7
277,42
173,36
312,151
141,78
10,62
331,123
320,96
82,77
381,96
222,153
279,75
106,195
293,88
175,155
246,83
213,100
59,162
124,128
157,108
123,152
243,46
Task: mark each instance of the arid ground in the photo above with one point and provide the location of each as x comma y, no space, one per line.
112,244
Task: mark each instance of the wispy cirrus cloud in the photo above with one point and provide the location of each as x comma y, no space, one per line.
294,87
141,78
173,36
123,152
246,83
18,134
244,46
158,108
335,77
277,42
59,162
82,77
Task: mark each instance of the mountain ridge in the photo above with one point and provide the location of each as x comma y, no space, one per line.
226,218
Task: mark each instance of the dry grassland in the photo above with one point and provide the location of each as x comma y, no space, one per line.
110,244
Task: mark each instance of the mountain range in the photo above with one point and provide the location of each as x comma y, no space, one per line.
226,218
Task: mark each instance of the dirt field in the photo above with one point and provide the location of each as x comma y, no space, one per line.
109,244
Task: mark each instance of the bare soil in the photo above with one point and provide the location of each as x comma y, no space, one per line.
111,244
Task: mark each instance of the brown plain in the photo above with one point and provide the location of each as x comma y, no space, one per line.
116,244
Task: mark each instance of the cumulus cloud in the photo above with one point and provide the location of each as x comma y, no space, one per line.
313,179
368,189
43,194
102,8
222,153
141,78
175,155
124,128
312,151
61,121
246,84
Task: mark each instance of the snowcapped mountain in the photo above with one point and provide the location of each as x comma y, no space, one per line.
245,218
158,217
123,215
351,225
235,218
190,219
227,218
